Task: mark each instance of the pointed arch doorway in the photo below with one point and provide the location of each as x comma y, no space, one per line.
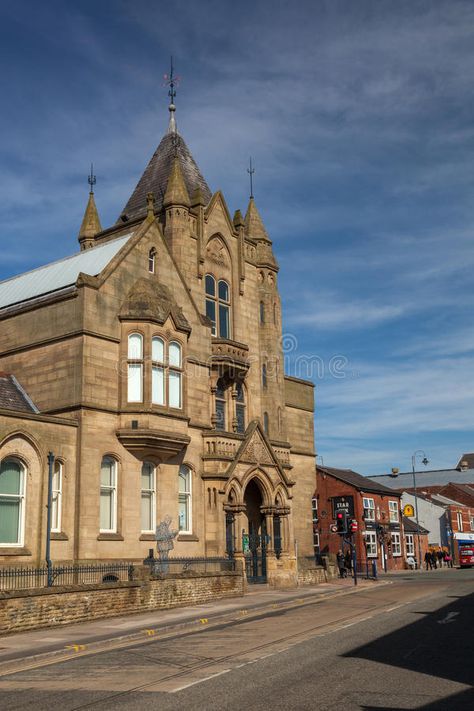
254,538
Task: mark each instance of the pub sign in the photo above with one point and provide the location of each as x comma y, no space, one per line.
343,503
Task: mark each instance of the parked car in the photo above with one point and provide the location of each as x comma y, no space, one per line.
466,556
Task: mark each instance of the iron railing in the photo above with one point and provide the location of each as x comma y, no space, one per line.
13,578
194,565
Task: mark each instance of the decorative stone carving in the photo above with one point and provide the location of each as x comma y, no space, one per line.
257,452
216,252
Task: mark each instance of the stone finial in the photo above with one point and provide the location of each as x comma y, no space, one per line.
254,226
150,206
238,219
176,191
90,225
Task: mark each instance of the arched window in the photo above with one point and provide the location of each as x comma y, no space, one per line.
184,499
240,408
108,495
12,502
174,375
135,367
218,306
221,404
148,498
157,371
152,260
262,312
57,495
266,423
264,375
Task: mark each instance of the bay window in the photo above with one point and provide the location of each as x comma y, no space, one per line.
135,367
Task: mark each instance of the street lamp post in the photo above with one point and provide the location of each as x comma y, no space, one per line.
418,453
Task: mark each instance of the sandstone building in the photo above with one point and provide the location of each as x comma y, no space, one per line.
150,364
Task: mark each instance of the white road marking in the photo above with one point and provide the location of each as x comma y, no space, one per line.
199,681
395,607
449,618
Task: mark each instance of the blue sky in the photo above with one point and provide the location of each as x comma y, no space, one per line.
360,120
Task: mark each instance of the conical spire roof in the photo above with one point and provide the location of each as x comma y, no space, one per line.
157,173
90,225
176,192
254,226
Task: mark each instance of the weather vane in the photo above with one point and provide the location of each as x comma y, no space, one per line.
92,179
171,81
251,171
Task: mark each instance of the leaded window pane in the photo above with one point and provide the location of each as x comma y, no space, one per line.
157,385
224,331
157,350
10,517
11,478
240,415
175,354
220,415
174,389
211,314
135,346
210,285
134,382
223,291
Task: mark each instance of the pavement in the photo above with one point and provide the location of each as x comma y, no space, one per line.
60,643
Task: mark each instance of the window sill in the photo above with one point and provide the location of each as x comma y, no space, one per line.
147,537
187,537
14,551
110,537
59,536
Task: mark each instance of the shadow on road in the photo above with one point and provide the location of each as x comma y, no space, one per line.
439,645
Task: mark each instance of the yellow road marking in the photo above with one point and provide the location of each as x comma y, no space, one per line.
76,647
204,620
149,633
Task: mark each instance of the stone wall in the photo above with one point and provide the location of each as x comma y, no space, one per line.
33,609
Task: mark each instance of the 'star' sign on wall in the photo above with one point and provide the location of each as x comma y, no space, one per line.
343,503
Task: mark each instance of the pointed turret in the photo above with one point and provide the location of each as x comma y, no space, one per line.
90,224
176,191
254,226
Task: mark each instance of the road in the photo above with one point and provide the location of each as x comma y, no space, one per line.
405,645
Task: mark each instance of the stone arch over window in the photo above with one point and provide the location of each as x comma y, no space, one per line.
218,286
57,496
135,364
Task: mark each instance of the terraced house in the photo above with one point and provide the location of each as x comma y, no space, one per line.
150,364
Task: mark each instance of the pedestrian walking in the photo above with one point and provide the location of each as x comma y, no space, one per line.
428,560
341,564
434,559
439,555
348,562
449,559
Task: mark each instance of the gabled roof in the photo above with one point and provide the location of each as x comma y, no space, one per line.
149,300
13,397
410,526
58,275
157,172
404,480
362,483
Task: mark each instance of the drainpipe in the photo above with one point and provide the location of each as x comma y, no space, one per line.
48,524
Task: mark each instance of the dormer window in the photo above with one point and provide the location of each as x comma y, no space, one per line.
152,260
218,306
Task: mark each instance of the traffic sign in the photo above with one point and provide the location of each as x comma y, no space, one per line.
333,527
353,526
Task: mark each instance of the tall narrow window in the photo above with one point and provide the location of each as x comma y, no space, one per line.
264,375
224,309
211,302
174,376
459,520
108,495
157,371
135,368
280,421
262,312
266,423
184,499
218,306
221,404
152,260
148,497
393,511
240,408
369,509
12,502
56,500
410,544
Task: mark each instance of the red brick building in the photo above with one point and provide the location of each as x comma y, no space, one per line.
375,507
